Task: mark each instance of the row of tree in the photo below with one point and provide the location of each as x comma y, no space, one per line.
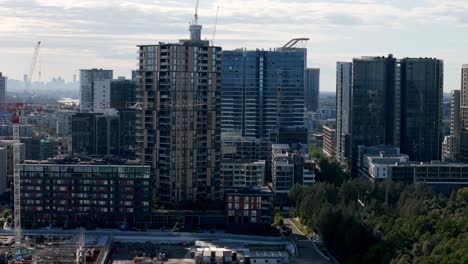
359,225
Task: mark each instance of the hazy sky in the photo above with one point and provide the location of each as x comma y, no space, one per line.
103,33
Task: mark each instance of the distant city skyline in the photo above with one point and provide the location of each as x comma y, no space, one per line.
104,34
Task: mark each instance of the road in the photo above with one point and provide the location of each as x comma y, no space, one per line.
151,235
308,253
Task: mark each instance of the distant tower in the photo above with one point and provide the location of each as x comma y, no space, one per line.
312,89
87,82
3,85
343,110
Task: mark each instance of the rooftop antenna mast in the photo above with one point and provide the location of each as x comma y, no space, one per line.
195,29
195,17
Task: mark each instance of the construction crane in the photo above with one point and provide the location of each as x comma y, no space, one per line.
33,65
16,179
215,25
16,109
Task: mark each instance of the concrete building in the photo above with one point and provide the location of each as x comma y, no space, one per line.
62,123
312,89
287,168
442,177
101,95
329,141
120,94
374,162
343,111
235,147
178,128
8,145
242,156
71,192
3,88
451,144
3,170
309,173
464,114
242,174
421,108
87,86
263,91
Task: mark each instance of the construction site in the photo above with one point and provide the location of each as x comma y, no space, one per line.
48,248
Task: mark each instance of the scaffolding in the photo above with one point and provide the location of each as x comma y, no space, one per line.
48,248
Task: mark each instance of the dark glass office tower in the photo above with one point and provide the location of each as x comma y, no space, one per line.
421,108
122,92
312,89
263,91
375,104
3,85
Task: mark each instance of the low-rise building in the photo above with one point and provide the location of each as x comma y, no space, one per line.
329,141
376,166
249,206
8,145
70,191
240,174
441,176
309,173
287,168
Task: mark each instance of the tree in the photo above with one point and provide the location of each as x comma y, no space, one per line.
295,194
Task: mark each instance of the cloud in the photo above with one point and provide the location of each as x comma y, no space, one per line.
89,33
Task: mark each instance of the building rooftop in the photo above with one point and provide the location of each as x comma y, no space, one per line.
84,160
263,190
433,163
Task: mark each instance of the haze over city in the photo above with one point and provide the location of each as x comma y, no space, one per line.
234,132
104,34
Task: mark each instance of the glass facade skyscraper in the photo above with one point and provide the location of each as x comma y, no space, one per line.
421,108
373,104
263,91
312,89
392,102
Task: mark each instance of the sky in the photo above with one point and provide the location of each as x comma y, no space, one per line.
78,34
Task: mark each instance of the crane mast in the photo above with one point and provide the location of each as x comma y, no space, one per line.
215,25
16,182
33,65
